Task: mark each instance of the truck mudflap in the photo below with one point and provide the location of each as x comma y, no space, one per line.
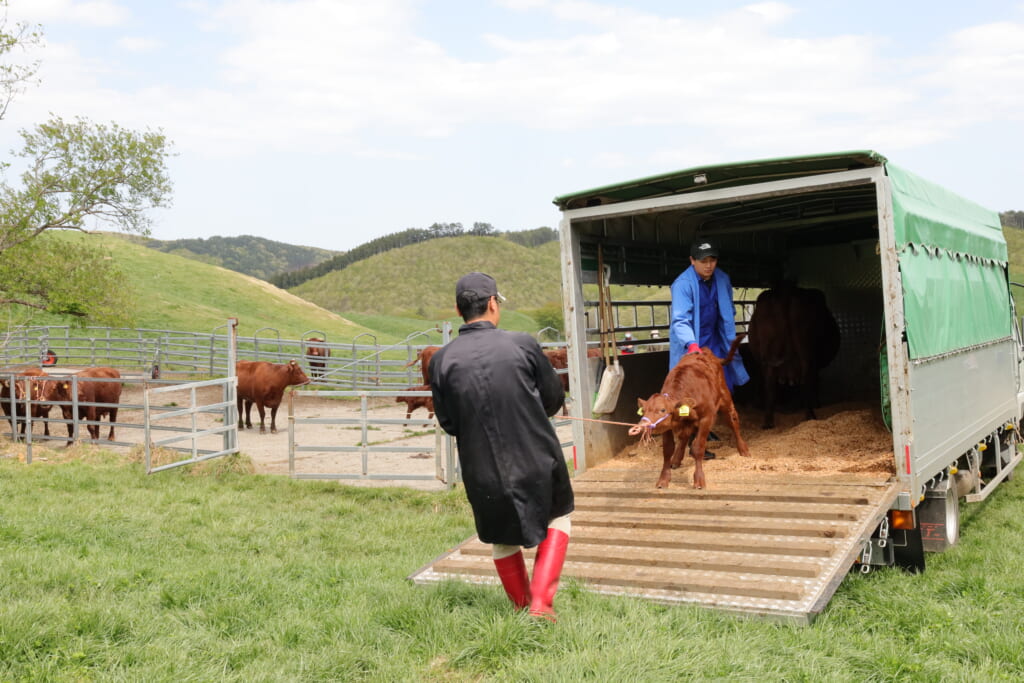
775,550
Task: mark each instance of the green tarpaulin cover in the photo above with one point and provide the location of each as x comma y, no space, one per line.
952,259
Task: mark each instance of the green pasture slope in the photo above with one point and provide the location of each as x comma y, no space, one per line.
177,293
216,574
174,292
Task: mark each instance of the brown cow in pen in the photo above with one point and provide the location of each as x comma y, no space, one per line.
264,383
559,359
316,354
95,399
792,336
693,394
414,402
38,390
423,357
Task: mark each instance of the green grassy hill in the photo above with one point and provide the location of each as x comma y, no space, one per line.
178,293
418,281
246,254
1015,246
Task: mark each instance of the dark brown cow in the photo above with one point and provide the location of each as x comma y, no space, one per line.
264,383
106,394
316,355
792,336
423,357
39,391
559,359
414,402
693,394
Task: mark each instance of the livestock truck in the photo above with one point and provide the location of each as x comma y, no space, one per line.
917,279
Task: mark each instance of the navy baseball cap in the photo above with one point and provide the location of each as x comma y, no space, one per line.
481,285
703,248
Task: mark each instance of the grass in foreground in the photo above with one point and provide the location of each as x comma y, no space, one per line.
217,574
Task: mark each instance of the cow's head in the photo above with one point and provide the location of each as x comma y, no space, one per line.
662,412
296,374
315,348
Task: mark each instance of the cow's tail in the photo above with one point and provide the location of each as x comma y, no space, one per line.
732,349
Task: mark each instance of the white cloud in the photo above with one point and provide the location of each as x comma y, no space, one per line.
981,72
89,12
327,74
139,44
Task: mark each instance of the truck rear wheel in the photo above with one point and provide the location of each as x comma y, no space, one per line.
939,519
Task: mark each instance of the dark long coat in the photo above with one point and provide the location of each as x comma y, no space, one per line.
494,391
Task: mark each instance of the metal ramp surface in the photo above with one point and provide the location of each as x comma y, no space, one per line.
775,549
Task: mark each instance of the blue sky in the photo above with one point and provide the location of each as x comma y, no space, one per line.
330,122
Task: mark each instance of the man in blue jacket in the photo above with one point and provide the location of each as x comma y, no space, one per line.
703,314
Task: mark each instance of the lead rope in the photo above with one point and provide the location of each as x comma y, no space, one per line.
646,437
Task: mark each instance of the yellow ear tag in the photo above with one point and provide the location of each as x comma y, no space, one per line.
684,411
640,411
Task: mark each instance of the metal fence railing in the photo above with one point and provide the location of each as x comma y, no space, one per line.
108,420
362,363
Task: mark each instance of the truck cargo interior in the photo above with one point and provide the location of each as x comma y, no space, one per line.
821,238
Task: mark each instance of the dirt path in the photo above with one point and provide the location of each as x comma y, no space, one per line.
401,454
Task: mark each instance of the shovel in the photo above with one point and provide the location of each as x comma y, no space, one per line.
611,379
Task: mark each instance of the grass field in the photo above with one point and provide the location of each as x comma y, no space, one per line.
216,574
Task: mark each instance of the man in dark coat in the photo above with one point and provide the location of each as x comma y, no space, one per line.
494,391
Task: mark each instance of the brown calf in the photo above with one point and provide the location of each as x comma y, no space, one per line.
106,394
693,394
414,402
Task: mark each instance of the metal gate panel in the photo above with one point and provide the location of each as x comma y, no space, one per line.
445,461
193,433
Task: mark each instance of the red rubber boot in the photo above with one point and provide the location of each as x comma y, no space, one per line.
514,579
547,569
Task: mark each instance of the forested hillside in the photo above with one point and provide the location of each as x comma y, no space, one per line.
397,240
247,254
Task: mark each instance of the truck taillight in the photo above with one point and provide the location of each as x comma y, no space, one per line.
902,519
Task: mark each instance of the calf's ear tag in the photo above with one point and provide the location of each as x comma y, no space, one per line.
684,411
640,411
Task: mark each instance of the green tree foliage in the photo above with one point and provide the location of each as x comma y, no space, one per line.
13,77
482,229
76,176
550,315
255,256
363,251
533,238
1013,219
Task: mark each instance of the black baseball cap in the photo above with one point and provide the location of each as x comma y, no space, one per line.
703,248
480,285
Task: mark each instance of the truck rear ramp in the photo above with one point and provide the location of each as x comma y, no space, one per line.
776,549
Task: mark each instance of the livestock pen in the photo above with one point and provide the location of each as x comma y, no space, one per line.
179,398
